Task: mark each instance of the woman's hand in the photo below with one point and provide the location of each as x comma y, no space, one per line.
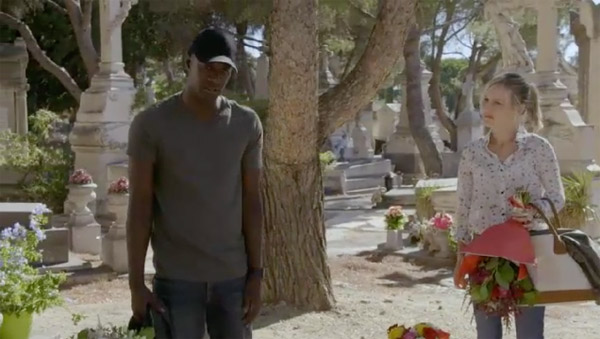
459,282
523,215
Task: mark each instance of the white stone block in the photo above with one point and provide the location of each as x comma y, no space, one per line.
114,250
86,239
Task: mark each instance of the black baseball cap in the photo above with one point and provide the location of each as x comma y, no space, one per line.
213,45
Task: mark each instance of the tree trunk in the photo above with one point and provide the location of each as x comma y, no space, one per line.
40,56
80,16
583,44
244,81
341,104
295,246
415,107
435,91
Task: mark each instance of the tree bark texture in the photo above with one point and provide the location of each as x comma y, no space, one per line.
414,104
80,15
296,270
40,56
341,104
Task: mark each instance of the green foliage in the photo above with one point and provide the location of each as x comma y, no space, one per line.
451,79
55,36
424,205
326,159
577,209
22,288
44,167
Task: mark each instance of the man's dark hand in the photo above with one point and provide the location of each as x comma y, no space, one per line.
141,298
252,299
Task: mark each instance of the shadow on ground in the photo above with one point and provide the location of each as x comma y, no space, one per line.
274,314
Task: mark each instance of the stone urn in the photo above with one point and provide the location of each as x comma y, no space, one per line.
442,243
117,204
80,196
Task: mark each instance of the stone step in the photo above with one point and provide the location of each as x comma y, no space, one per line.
360,183
379,167
363,191
404,196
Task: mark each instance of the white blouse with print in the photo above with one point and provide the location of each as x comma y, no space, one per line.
485,183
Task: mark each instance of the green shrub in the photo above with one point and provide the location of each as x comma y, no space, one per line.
43,167
578,208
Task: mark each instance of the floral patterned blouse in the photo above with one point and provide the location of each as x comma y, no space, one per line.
485,183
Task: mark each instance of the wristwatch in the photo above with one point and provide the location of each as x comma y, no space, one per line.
255,272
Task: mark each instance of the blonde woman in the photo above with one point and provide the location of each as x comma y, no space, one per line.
492,168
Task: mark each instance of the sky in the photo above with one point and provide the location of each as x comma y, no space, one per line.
454,48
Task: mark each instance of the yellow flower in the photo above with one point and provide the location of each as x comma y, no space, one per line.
396,332
420,327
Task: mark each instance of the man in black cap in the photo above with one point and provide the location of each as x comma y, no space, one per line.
195,163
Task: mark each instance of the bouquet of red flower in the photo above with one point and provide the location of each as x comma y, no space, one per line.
498,281
498,286
419,331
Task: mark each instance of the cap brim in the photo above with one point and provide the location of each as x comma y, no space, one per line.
225,60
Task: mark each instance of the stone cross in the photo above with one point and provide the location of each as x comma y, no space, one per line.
261,91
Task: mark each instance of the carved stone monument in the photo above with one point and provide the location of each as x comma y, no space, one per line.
13,87
99,136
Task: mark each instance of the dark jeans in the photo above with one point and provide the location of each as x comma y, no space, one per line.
529,324
194,307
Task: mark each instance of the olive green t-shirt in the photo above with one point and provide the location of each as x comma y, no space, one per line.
197,209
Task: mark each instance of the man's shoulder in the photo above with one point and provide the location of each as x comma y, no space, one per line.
243,112
158,110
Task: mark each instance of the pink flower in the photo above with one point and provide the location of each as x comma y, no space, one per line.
442,221
120,186
80,177
410,334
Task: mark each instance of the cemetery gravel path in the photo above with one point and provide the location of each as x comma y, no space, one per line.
372,293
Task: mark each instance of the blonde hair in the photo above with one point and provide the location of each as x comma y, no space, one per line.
523,93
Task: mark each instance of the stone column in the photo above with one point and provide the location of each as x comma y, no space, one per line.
564,127
469,124
589,14
99,135
401,148
13,87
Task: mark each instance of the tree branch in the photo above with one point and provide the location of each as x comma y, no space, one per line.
382,52
360,10
87,8
40,56
56,6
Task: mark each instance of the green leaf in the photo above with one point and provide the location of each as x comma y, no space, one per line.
492,264
484,292
530,298
526,284
501,281
507,272
476,294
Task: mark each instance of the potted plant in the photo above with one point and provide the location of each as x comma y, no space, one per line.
394,221
579,212
440,224
118,199
81,191
24,291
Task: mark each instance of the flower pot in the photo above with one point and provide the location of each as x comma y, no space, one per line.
442,242
14,327
80,196
400,234
117,204
392,240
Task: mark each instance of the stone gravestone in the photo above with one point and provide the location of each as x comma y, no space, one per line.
13,87
99,135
